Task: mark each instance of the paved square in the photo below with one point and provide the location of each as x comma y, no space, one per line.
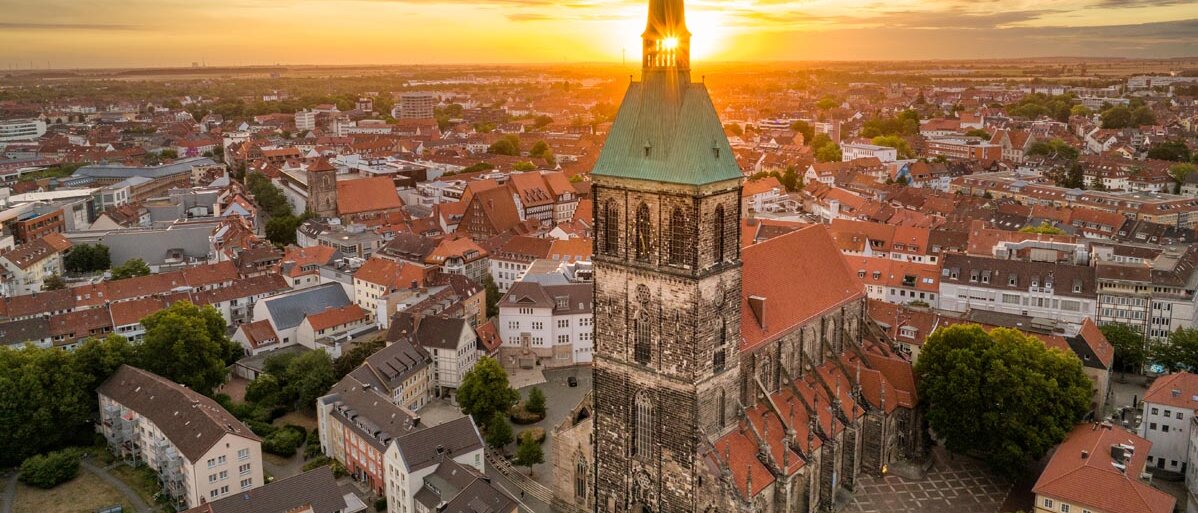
951,486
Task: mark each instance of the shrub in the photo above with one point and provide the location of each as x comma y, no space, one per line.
50,469
261,428
521,416
317,463
283,442
536,402
302,431
380,504
312,445
537,435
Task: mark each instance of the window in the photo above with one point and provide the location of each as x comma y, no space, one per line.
1156,411
580,478
243,454
611,228
1152,426
678,237
1164,428
213,493
643,232
721,404
643,426
641,349
224,474
1048,503
212,478
537,325
1064,508
718,359
220,460
718,233
247,483
244,469
224,489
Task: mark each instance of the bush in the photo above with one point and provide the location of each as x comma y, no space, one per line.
302,431
380,504
283,442
521,416
312,445
537,435
260,428
318,462
50,469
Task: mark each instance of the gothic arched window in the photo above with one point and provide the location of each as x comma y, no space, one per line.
580,478
611,228
641,347
643,230
722,403
642,426
766,373
718,234
678,238
719,357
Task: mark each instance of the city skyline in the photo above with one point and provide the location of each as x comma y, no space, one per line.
137,33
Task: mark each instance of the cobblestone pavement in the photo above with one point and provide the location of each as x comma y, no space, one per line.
951,486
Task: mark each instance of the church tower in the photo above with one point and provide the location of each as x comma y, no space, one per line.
667,283
322,188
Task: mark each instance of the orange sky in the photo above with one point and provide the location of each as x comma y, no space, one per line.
115,33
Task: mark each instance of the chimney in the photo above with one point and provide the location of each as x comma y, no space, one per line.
1085,454
757,305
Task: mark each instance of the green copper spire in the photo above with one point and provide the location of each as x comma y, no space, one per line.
667,129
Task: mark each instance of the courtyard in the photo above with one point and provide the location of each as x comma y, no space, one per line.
953,484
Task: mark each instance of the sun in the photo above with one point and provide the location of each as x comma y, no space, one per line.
709,29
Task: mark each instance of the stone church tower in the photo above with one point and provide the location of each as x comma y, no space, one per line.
322,189
667,283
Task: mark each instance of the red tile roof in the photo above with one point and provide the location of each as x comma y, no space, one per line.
1082,472
1179,390
804,260
367,195
334,317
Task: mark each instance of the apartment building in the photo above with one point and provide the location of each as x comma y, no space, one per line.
1169,407
451,342
400,370
1049,290
200,452
1157,297
441,469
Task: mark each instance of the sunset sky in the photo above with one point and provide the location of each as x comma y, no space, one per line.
120,33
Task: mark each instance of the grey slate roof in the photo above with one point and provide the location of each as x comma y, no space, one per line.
192,421
425,447
677,121
122,172
26,330
391,365
289,310
316,488
577,297
426,331
480,496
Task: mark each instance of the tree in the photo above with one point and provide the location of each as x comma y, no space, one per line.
281,230
86,258
977,132
46,405
539,149
54,282
509,145
168,154
1180,172
1116,117
1180,353
97,359
481,166
542,121
829,153
1045,229
485,391
804,128
1080,110
1128,343
523,166
791,180
308,376
536,401
529,453
493,295
1174,150
351,359
264,390
1002,395
896,142
826,103
499,431
187,344
1055,148
1142,116
51,469
132,268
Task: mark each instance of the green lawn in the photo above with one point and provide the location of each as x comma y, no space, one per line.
84,494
